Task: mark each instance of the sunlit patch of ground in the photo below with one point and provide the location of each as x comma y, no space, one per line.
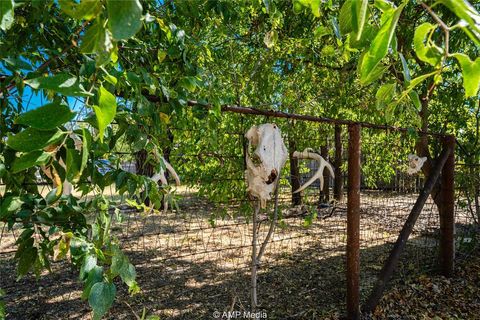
189,267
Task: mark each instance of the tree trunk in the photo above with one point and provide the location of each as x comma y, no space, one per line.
167,149
422,145
143,168
294,173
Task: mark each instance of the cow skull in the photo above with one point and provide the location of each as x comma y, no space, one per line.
322,164
415,163
270,155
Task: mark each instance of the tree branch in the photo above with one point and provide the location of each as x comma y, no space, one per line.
443,25
44,65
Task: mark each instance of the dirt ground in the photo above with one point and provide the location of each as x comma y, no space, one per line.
189,267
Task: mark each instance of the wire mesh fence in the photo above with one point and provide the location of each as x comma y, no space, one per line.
194,258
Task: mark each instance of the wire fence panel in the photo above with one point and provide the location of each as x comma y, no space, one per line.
194,258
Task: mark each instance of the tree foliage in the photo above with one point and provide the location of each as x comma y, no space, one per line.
134,67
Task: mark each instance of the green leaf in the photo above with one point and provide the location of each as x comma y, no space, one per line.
368,35
321,31
359,16
97,39
383,5
468,14
270,38
47,117
54,194
32,139
374,74
3,170
26,261
161,55
122,266
345,17
390,111
427,52
28,160
101,298
124,18
73,164
472,34
315,6
415,82
86,9
129,274
111,79
9,205
379,47
385,94
94,276
406,70
118,260
86,142
18,63
105,111
62,83
6,14
328,50
415,100
89,262
470,72
188,83
297,6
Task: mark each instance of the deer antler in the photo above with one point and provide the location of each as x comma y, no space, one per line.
322,164
161,174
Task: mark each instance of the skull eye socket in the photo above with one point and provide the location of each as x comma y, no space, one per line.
254,157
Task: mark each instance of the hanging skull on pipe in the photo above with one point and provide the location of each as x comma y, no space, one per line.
415,163
322,164
268,160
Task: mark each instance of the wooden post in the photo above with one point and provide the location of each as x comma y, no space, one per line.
338,182
394,256
325,193
353,223
447,214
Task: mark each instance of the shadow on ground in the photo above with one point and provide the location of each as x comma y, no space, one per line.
297,286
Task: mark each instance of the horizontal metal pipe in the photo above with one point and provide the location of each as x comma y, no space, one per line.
281,114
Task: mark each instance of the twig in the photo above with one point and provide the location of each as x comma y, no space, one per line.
443,25
254,257
49,61
134,313
272,224
257,257
234,300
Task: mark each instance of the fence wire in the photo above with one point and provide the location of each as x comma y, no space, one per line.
194,259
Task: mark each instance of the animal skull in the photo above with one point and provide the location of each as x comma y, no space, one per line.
322,164
415,163
271,154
